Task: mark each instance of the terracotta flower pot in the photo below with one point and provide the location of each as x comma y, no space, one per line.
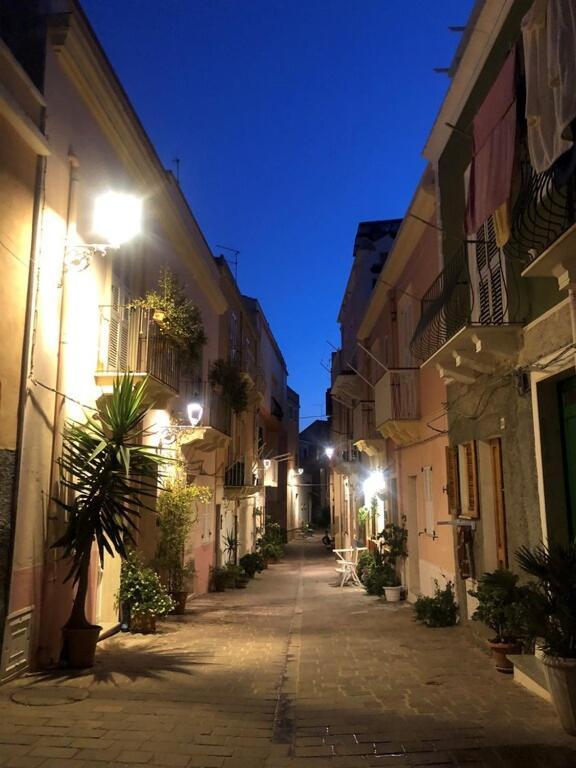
179,598
500,652
80,645
561,679
144,624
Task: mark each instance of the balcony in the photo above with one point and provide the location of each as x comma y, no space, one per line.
398,405
242,478
365,436
469,325
131,342
345,382
543,227
215,429
247,362
346,459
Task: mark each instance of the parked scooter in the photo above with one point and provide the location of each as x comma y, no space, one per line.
328,541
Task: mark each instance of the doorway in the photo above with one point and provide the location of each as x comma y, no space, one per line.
567,399
413,538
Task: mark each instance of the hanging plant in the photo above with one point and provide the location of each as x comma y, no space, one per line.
176,316
228,377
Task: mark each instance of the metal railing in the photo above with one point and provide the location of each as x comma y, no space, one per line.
242,472
363,426
133,343
544,209
456,300
446,307
397,396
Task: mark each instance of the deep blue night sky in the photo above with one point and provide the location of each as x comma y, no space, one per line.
294,120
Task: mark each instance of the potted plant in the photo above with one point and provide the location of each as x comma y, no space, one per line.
227,377
230,547
551,621
501,606
219,578
394,542
441,610
375,572
142,591
251,563
107,476
176,316
177,514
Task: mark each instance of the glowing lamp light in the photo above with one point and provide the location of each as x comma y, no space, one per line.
195,413
374,483
267,463
329,451
117,217
300,471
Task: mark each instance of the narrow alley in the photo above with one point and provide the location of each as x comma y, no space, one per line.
292,671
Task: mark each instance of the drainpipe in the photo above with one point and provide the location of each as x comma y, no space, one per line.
59,400
24,374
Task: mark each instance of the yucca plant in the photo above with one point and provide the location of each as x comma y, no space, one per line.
108,475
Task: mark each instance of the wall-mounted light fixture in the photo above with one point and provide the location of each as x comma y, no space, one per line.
329,451
195,412
267,463
117,219
375,483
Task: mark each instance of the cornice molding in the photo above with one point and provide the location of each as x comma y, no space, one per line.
85,63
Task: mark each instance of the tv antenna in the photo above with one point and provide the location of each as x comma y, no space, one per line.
232,259
176,162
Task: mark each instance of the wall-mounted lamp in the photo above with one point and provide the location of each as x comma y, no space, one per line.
329,451
267,463
195,412
117,219
374,483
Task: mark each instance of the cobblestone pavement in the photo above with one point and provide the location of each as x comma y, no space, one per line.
290,672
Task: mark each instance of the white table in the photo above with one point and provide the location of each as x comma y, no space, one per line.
346,562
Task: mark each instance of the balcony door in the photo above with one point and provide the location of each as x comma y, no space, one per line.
487,277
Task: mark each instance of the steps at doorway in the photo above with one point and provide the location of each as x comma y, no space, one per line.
529,672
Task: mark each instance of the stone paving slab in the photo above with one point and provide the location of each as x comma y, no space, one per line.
290,672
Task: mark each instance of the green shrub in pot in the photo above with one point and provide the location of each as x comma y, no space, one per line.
551,620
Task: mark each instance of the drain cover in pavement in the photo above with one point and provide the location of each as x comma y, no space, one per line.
48,697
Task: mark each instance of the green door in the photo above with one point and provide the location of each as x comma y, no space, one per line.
567,394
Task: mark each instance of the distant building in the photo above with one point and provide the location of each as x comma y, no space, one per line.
316,475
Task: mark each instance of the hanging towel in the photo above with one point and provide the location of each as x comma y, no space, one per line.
494,137
549,38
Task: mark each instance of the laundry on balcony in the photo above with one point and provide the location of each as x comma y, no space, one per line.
494,137
548,32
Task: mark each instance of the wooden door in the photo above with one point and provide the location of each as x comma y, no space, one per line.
499,503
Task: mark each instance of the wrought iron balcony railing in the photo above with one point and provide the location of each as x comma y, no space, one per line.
446,307
131,342
242,473
544,209
477,287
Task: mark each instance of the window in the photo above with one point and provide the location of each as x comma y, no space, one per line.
462,480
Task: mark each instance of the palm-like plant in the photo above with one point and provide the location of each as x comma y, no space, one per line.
551,604
108,475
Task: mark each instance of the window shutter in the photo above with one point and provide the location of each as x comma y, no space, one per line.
452,481
489,263
428,499
471,479
118,330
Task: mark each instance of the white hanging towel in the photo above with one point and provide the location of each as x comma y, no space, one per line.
549,37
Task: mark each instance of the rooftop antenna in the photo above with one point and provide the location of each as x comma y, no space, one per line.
233,259
176,162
